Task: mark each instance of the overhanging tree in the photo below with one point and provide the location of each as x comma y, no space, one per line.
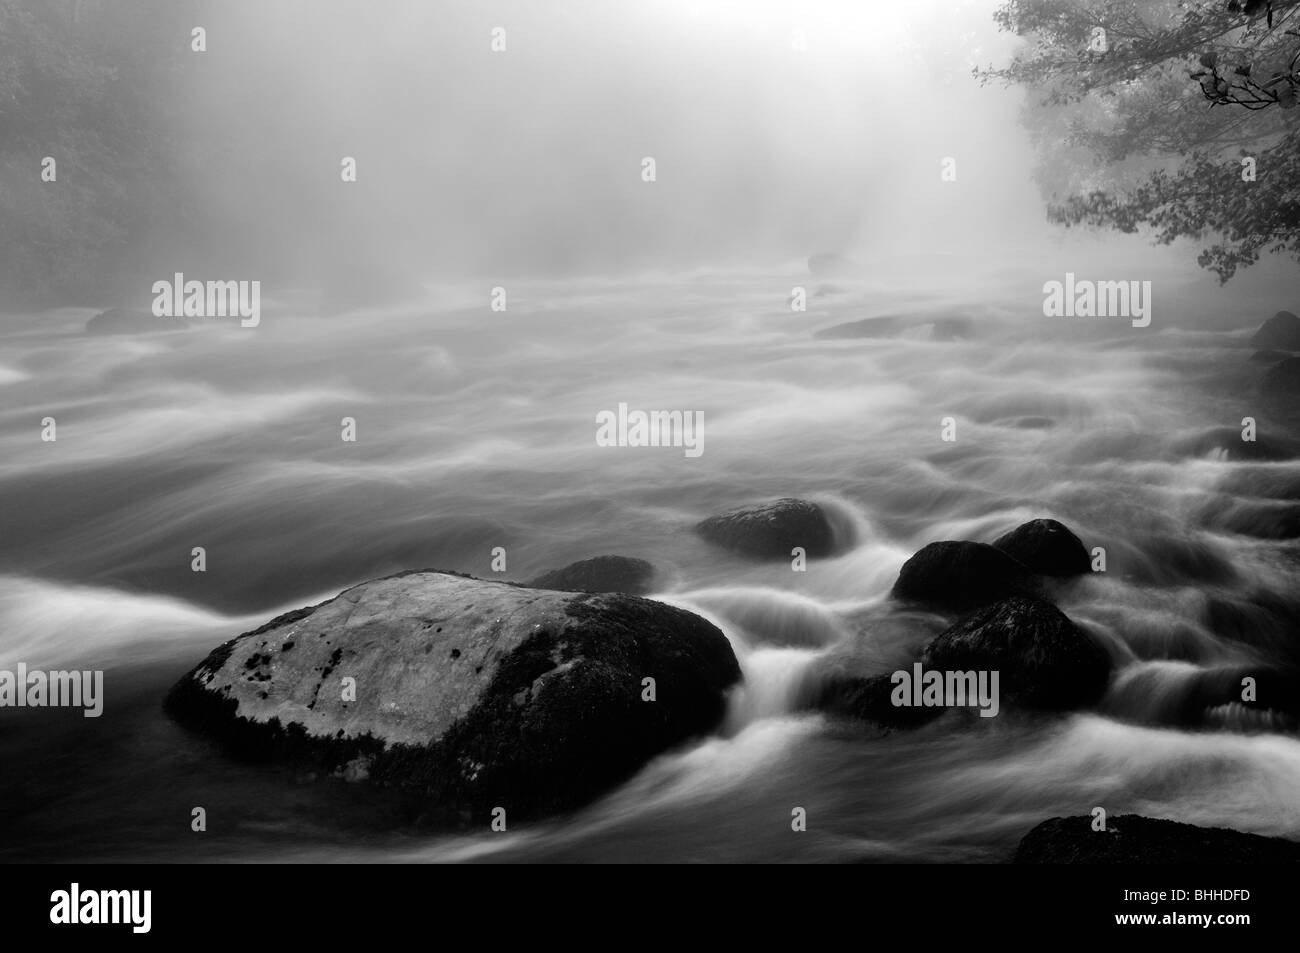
1146,110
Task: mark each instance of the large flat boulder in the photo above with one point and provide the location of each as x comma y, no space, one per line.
468,694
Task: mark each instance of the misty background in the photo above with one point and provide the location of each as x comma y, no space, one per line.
475,164
475,428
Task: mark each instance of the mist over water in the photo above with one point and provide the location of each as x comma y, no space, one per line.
474,433
476,428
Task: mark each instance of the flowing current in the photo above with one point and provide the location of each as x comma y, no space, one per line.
476,429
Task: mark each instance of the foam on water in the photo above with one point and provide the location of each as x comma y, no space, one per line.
51,625
472,436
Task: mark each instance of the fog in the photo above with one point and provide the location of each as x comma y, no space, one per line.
173,477
778,129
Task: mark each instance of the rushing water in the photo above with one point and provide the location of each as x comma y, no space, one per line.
476,429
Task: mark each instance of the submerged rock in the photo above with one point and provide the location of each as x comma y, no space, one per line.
1226,443
881,327
1280,332
943,327
1179,559
1046,547
1033,423
1133,839
1282,379
827,289
1217,698
867,699
1263,519
466,694
958,575
772,530
952,329
600,574
127,321
830,263
1269,357
1043,659
1258,616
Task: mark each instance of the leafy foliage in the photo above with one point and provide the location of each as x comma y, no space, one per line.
1144,109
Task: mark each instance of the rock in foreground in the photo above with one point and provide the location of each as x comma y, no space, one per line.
772,530
468,694
600,574
1043,659
1046,547
1133,839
